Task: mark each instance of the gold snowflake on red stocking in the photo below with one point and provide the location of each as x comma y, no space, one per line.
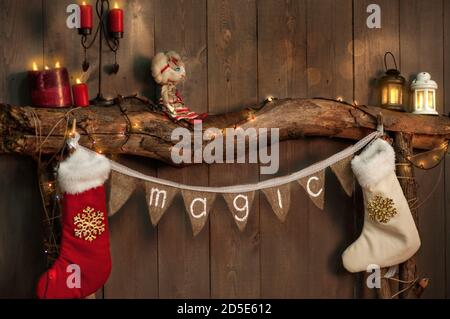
89,224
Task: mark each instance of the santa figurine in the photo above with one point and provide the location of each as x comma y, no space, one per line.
168,70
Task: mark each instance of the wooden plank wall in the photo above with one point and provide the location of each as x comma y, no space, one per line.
238,52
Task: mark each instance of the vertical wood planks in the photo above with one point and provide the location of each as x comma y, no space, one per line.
136,50
232,82
370,45
281,73
330,74
421,34
184,270
22,257
64,45
134,242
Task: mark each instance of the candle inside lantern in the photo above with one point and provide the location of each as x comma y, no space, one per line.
86,19
115,22
394,95
49,87
80,94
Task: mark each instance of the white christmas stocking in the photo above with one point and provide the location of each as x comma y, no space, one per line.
389,236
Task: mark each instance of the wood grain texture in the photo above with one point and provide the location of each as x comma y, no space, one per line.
232,81
237,52
145,133
415,57
22,257
329,74
284,268
136,50
184,269
370,45
63,44
134,244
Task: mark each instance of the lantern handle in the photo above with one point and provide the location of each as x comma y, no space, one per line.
393,58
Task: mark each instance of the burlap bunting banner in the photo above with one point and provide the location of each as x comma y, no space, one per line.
344,174
314,185
279,199
240,206
122,187
159,198
198,206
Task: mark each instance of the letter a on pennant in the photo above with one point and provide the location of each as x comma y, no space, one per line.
159,198
198,206
314,185
240,205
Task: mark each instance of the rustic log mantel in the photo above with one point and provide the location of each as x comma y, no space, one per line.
133,128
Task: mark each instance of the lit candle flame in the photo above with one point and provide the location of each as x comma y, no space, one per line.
57,65
46,68
78,81
116,5
35,67
84,3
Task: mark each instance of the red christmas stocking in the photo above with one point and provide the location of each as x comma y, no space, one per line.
84,263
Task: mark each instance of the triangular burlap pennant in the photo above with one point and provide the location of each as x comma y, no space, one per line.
343,172
240,205
159,198
198,205
122,187
280,199
314,185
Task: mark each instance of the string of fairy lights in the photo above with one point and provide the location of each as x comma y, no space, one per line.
48,178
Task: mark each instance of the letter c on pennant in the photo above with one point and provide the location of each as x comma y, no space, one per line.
308,188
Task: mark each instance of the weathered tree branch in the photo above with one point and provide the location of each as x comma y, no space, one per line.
135,129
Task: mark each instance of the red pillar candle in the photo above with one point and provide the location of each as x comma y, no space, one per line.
86,18
115,22
80,94
50,88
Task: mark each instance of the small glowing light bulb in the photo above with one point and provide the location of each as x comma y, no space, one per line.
270,99
78,81
57,65
35,67
50,185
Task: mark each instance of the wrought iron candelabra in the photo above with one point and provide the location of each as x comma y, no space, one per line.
113,42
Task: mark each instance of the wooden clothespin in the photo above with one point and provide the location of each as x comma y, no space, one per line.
74,128
380,123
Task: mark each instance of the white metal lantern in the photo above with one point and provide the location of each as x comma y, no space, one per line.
424,90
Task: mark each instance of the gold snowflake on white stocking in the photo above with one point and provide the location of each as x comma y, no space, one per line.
89,224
